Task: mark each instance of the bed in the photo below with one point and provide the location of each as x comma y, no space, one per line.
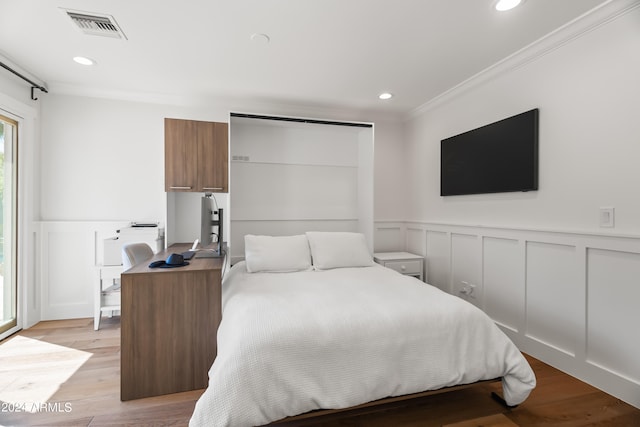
313,323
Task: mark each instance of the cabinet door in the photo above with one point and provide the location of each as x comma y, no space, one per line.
213,157
180,155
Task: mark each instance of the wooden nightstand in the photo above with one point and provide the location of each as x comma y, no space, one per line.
169,322
402,262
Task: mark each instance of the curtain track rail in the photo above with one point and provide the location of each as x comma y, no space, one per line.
33,84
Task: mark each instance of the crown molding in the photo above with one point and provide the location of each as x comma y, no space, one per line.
60,88
578,27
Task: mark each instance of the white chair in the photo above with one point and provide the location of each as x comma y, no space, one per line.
108,299
134,254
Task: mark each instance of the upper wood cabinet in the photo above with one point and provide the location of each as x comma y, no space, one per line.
196,156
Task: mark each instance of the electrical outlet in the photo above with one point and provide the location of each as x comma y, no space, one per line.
468,289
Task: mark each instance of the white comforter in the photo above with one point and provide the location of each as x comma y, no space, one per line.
290,343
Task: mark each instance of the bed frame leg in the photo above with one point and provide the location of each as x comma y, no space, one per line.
501,400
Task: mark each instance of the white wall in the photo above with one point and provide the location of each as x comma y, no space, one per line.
587,92
103,163
390,172
561,286
103,159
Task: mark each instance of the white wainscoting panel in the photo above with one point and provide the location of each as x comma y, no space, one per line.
438,259
567,298
503,280
554,296
465,266
69,252
69,274
416,241
613,314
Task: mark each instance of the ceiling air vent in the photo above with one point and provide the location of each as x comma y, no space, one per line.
96,25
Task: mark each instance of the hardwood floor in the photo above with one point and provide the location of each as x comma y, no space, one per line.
67,374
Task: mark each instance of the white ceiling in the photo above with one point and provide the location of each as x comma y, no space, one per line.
330,53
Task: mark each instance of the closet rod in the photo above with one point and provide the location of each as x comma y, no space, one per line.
33,85
295,119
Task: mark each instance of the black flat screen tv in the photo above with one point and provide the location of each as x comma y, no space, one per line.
496,158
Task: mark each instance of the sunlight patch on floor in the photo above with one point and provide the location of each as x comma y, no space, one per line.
31,371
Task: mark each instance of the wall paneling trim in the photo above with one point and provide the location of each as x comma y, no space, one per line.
567,298
69,252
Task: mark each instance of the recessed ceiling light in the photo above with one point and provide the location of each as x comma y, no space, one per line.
385,95
83,60
502,5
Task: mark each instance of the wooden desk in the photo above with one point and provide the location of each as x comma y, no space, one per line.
169,322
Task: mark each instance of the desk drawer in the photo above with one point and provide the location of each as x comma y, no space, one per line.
405,267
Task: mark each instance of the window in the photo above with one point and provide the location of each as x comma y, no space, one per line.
8,224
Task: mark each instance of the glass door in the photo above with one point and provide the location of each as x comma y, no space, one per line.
8,225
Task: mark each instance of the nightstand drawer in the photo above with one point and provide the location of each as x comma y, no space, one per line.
405,267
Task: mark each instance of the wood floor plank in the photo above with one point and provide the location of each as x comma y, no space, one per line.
172,414
68,363
596,408
498,420
79,422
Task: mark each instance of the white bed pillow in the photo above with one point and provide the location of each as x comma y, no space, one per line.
338,249
276,253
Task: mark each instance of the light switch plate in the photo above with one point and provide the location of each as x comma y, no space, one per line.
607,217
